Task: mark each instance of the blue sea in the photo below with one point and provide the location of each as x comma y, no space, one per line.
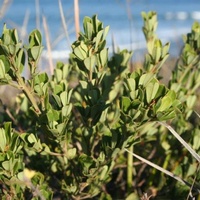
175,19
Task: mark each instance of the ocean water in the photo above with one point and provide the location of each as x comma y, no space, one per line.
175,19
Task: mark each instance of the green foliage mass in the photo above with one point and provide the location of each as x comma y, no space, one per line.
69,131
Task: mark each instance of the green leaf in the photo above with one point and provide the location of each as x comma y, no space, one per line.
89,30
86,161
151,90
35,38
126,103
98,39
4,64
146,78
191,100
166,116
104,57
2,70
167,101
7,165
104,172
64,99
36,52
80,53
32,139
66,110
196,140
20,60
3,140
71,153
58,75
90,62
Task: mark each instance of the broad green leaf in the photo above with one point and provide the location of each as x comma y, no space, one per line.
43,77
90,62
104,57
151,90
196,140
7,38
191,100
12,49
35,38
58,75
8,131
167,101
98,39
2,70
146,78
106,30
3,140
126,103
63,97
71,153
66,110
53,115
38,89
57,89
32,139
166,116
86,20
80,53
7,165
20,60
165,49
36,52
5,65
28,174
131,84
89,30
86,161
133,196
103,174
38,37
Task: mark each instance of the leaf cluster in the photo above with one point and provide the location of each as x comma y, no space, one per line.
69,130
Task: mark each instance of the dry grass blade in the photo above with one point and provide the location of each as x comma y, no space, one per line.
37,11
4,7
162,170
76,16
190,192
145,197
50,59
178,137
197,114
64,23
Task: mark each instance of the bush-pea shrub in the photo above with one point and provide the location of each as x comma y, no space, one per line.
66,135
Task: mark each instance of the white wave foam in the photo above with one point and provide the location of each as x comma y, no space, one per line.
195,15
182,15
56,54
